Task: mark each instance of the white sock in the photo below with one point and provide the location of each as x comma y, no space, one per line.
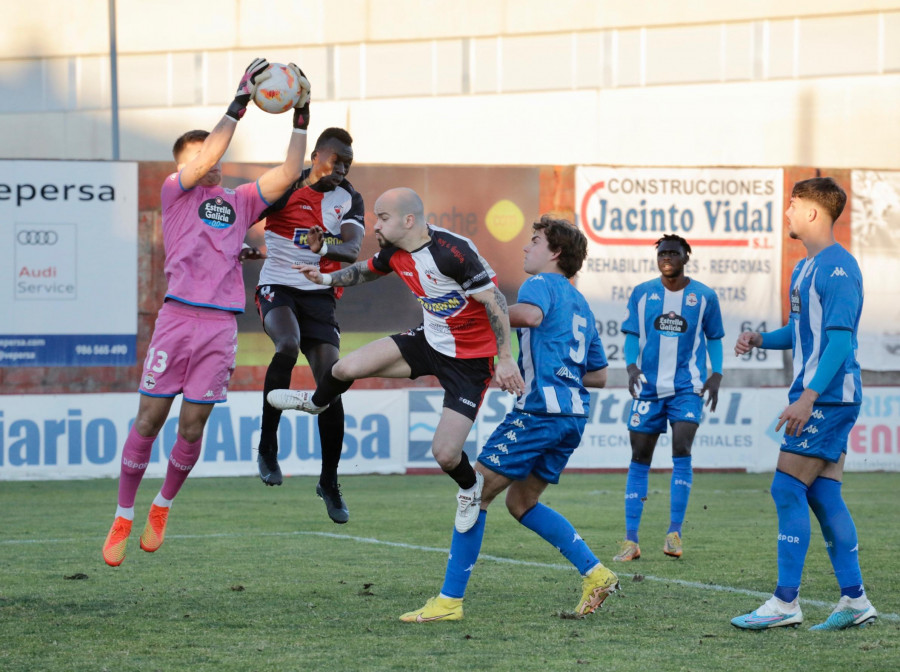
159,500
126,512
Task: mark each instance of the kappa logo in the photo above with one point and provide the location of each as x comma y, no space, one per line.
518,423
653,297
494,459
690,414
811,429
839,272
818,415
503,449
511,435
803,444
209,394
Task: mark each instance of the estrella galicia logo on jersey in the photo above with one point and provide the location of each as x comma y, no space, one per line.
670,324
795,300
691,300
839,272
217,213
443,306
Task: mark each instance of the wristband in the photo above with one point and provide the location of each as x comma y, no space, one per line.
301,131
323,250
327,279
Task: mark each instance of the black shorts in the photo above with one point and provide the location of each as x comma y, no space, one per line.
464,380
313,309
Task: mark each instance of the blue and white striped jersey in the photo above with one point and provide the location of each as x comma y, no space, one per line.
555,355
673,328
826,294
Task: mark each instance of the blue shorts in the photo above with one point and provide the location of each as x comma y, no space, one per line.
825,433
649,416
525,444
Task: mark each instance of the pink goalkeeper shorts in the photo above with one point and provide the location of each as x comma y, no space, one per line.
192,352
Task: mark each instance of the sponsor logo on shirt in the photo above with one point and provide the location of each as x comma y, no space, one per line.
468,402
563,372
217,213
839,272
795,300
443,306
670,324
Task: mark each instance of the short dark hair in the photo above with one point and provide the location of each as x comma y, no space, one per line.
671,237
335,133
825,192
186,139
563,237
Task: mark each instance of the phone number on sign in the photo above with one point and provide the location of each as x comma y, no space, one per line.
101,349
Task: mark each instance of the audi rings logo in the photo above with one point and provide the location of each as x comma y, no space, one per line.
37,237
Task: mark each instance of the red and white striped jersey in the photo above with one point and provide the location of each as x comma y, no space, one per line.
442,275
289,219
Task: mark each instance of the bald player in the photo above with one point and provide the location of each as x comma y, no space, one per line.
465,325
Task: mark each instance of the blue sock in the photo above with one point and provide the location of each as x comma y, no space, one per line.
679,491
793,533
840,534
635,494
464,550
556,530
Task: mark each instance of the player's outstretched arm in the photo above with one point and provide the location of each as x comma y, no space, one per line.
275,181
356,274
525,316
213,148
506,372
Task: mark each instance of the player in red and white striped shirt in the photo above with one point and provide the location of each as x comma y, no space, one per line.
466,323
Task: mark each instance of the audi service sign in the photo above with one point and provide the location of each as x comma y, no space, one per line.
68,288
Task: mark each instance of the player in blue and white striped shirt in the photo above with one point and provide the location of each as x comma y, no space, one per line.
825,396
560,354
672,323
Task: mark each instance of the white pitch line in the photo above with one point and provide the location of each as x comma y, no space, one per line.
482,556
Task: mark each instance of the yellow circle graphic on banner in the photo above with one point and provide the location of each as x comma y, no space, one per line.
504,220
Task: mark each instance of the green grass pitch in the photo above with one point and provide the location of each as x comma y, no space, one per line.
257,578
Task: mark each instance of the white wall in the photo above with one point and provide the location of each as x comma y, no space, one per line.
471,82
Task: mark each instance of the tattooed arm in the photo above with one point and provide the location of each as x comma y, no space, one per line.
356,274
507,372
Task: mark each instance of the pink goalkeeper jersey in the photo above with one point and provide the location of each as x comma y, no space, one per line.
203,232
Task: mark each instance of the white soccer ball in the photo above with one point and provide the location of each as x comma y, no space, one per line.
278,93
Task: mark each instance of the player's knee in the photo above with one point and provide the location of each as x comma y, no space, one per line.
446,457
517,504
289,347
787,490
342,370
681,450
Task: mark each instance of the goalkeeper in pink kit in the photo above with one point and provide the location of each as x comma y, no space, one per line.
194,342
